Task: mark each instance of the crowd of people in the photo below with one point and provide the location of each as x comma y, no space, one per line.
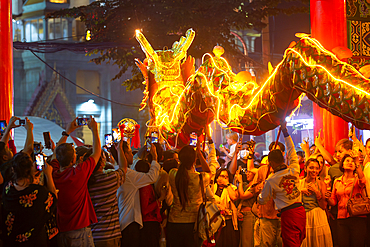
113,196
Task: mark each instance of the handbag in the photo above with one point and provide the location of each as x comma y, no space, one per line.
209,218
358,205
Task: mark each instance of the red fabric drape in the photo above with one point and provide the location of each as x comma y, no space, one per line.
6,64
328,24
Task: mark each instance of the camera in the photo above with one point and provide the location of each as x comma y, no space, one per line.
82,121
251,144
154,137
22,121
116,135
47,139
193,139
3,126
108,140
40,161
37,147
148,144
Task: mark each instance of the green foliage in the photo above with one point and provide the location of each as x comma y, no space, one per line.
164,21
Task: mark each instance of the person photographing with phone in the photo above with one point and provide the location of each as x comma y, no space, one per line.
75,212
28,206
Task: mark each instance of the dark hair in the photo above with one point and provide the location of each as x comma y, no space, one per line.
22,167
342,161
64,153
311,160
2,152
142,166
368,140
92,179
281,146
83,151
300,153
187,157
197,161
170,164
345,143
168,154
159,151
218,172
276,156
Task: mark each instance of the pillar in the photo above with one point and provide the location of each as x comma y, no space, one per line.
329,27
6,56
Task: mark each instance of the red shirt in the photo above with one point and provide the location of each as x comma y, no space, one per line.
149,206
74,209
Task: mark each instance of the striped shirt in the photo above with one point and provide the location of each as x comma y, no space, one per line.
103,196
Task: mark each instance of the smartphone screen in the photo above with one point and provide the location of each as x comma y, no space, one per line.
82,121
108,140
116,135
37,147
47,140
147,143
193,139
154,137
3,126
40,161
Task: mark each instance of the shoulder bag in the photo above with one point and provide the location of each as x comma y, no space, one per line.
358,205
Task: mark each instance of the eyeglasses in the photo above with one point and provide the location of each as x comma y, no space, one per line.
224,176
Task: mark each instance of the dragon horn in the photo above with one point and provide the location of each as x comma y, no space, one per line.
184,43
145,46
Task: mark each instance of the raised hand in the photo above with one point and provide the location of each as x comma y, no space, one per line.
72,126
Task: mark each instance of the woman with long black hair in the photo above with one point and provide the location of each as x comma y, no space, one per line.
185,185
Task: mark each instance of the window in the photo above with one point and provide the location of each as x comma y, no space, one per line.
78,30
89,80
17,31
34,30
58,28
58,1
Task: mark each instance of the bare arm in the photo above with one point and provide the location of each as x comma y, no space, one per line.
242,194
6,136
233,193
233,164
93,126
305,146
49,179
122,162
319,142
28,146
72,126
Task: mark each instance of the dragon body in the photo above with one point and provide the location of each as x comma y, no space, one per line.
186,100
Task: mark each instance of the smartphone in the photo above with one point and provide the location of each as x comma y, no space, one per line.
221,145
82,121
193,139
154,137
37,147
40,161
108,140
47,140
3,126
22,121
116,135
148,144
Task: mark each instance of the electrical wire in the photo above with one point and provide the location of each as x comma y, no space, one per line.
87,91
51,47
